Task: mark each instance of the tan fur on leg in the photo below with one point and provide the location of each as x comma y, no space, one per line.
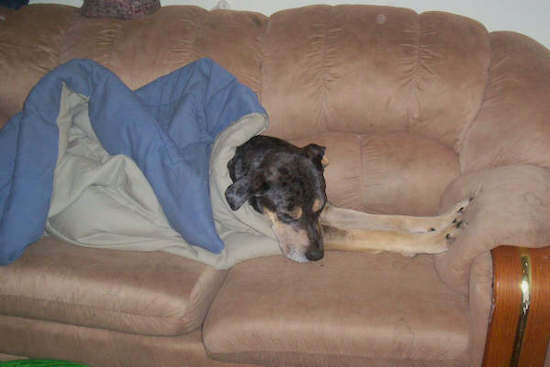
405,243
350,230
347,218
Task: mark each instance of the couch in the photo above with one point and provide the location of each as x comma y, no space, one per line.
417,112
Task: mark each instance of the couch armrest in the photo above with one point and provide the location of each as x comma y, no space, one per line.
519,329
511,206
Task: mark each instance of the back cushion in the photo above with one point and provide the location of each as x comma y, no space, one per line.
398,173
365,69
29,42
139,51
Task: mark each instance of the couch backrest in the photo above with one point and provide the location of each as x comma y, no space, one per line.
405,102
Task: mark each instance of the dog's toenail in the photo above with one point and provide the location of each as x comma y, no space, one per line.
458,224
432,229
448,236
461,210
454,220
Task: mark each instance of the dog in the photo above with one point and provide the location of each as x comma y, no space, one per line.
286,183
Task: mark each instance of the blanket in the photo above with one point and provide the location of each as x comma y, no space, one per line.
100,165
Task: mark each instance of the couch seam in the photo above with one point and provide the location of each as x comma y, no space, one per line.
413,95
362,183
467,130
194,52
324,94
63,38
260,39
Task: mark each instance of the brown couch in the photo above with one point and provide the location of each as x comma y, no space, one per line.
417,110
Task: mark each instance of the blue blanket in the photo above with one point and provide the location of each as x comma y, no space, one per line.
167,127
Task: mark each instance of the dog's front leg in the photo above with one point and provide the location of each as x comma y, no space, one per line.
350,230
370,240
352,219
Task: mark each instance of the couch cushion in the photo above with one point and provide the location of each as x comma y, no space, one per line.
152,293
101,348
386,172
364,69
352,308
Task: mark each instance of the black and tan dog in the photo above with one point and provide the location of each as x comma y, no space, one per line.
286,183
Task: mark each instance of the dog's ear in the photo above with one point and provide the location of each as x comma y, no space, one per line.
243,189
238,193
316,153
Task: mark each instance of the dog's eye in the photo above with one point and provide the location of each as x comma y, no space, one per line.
318,205
291,215
296,213
285,218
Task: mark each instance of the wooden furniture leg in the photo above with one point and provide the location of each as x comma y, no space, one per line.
519,331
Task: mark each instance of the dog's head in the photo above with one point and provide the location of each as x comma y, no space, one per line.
287,186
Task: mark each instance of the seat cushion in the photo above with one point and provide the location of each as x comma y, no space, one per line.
357,309
153,293
101,348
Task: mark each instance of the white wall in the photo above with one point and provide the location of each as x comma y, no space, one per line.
530,17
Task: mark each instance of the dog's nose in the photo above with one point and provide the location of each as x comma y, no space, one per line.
314,254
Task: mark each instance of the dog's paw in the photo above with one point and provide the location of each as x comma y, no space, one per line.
451,218
461,206
443,239
459,210
454,229
450,233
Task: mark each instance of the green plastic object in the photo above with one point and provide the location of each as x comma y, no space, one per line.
40,363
